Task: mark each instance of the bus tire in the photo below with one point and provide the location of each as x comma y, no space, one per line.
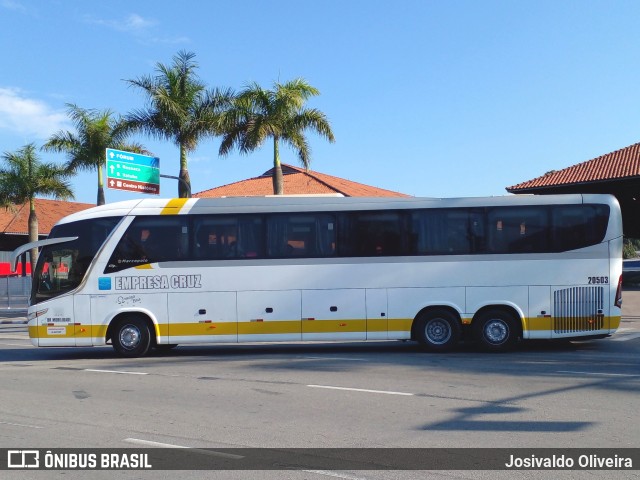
495,330
131,337
438,330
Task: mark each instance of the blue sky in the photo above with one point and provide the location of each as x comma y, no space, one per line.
430,98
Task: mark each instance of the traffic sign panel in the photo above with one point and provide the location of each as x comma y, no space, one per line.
133,172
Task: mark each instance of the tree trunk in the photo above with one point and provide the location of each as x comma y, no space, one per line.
184,184
278,182
33,233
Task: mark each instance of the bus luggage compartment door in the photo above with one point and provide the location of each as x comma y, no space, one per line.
538,323
202,317
334,314
269,316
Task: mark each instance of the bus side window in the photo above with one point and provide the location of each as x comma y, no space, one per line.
250,238
150,240
446,232
227,237
307,235
578,226
518,230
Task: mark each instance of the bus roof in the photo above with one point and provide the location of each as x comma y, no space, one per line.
283,203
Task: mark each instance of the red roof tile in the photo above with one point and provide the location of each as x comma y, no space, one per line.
48,212
297,181
621,164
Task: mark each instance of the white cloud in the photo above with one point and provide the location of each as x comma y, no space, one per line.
137,22
140,27
132,23
12,5
27,116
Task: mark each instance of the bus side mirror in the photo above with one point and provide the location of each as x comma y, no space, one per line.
22,258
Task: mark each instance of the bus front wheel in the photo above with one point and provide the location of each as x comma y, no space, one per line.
496,330
131,337
438,330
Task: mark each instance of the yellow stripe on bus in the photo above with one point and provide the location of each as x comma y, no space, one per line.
190,329
279,327
274,327
333,326
614,322
400,324
174,206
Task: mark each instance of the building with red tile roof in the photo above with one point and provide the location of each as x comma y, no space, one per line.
14,223
297,181
621,165
616,173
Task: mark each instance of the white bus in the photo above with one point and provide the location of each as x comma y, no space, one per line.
155,273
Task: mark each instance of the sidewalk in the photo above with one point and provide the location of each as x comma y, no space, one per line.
14,315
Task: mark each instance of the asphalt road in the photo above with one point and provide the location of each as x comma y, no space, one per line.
383,394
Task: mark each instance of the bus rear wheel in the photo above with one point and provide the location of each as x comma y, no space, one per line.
496,330
438,330
131,337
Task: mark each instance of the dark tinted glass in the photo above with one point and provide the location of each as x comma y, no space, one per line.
150,240
219,237
518,230
578,226
301,235
371,234
62,267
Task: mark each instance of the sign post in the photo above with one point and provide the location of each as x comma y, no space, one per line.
133,172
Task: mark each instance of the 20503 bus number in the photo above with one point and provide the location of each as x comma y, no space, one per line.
598,280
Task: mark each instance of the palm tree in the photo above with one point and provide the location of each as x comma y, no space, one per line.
23,177
86,149
279,114
180,109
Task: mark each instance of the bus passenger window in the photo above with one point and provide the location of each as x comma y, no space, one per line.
227,237
309,235
367,234
151,240
578,226
518,230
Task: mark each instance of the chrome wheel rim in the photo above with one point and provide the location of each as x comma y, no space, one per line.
496,331
129,337
437,331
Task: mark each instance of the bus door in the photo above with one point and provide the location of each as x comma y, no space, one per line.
83,331
56,326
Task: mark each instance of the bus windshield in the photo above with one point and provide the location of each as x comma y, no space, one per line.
61,267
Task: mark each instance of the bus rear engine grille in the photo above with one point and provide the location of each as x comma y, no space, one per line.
578,309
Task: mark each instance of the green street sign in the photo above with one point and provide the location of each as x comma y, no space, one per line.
132,172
